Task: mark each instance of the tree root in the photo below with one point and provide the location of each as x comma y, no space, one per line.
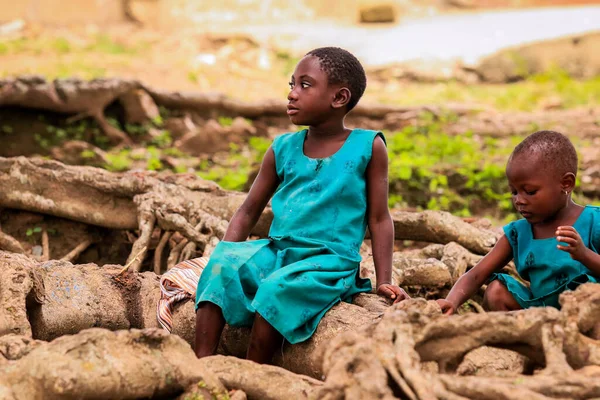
20,282
442,227
197,209
164,239
45,245
218,104
150,363
433,267
119,201
98,363
14,347
414,331
69,96
260,381
76,252
9,243
78,297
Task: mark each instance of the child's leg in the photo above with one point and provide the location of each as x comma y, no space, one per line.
264,341
498,298
209,326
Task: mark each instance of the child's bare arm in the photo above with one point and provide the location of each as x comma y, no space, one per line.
380,221
259,195
469,283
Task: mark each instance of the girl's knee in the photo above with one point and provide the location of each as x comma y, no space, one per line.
497,297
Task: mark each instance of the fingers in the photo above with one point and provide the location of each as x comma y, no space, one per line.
566,228
387,291
567,234
566,231
447,308
569,240
402,295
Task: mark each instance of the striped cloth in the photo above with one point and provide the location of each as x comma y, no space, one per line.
177,285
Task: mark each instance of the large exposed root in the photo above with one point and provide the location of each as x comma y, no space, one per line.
414,332
78,297
9,243
100,364
442,227
136,364
129,201
69,96
260,382
197,209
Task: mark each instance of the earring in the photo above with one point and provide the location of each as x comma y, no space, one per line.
566,193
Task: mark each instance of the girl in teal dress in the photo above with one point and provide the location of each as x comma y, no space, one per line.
328,184
554,247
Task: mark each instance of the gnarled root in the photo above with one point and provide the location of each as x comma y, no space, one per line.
414,332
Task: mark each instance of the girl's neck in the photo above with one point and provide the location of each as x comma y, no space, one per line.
328,129
567,214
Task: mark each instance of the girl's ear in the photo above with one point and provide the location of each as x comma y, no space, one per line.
568,182
341,98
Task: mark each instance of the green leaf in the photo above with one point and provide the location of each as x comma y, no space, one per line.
404,173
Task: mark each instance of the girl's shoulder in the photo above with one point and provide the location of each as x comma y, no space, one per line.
594,209
515,229
286,139
594,226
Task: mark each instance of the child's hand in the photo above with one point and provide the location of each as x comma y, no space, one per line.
447,307
575,246
392,292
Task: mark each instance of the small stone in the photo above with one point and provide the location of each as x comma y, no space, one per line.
139,107
179,126
37,251
378,14
242,127
208,139
552,103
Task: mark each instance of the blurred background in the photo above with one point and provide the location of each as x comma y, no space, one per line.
463,82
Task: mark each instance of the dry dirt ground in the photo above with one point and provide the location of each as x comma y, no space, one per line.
252,59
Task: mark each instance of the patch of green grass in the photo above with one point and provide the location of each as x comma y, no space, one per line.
13,46
225,121
77,68
530,94
105,44
61,45
233,173
118,162
463,174
429,169
163,140
193,76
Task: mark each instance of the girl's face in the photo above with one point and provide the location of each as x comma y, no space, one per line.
311,96
538,193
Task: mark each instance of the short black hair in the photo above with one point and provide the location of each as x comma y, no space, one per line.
555,150
343,67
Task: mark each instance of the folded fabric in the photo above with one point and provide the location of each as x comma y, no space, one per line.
178,285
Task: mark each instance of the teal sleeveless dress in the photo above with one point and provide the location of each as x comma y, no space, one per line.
550,271
310,260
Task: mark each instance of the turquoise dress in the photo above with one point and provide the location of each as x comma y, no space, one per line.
310,260
549,270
